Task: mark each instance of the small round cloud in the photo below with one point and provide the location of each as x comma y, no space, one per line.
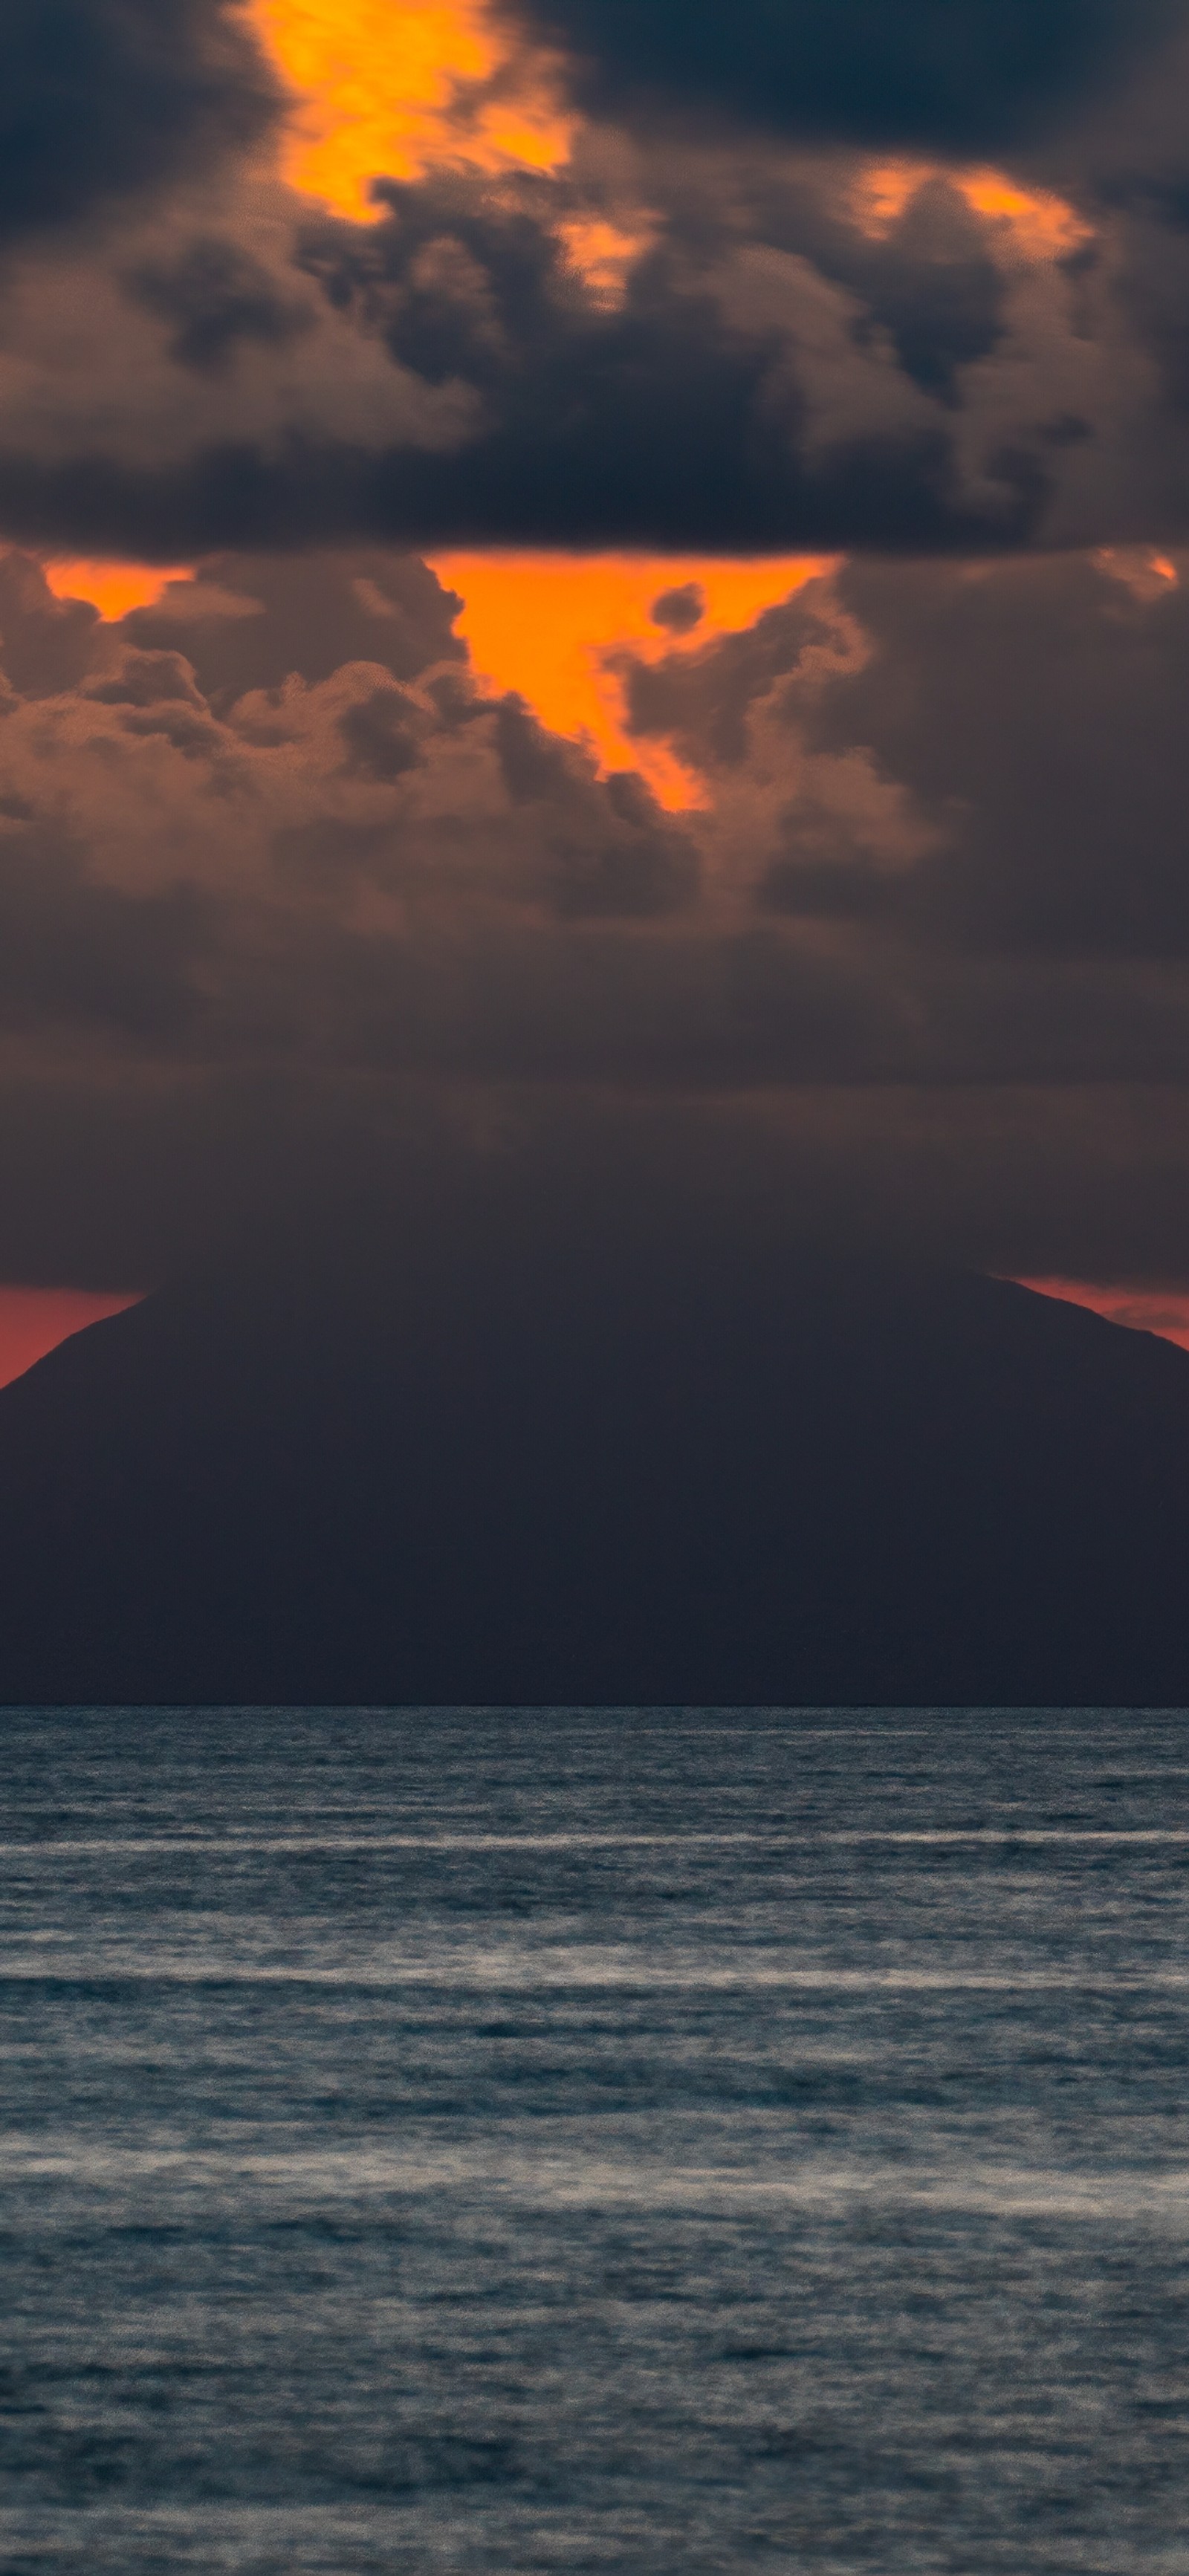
680,610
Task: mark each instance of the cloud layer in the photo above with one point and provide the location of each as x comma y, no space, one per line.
279,885
102,98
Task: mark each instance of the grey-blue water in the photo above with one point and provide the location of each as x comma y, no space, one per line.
648,2142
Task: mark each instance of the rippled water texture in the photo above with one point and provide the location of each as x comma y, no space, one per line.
561,2141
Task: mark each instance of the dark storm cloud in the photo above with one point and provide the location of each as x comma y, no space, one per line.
783,367
590,480
744,394
213,298
930,283
682,411
102,97
954,76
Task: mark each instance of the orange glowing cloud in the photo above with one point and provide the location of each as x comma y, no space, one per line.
382,88
34,1320
1035,225
602,253
550,626
1040,225
1163,1311
113,588
1146,575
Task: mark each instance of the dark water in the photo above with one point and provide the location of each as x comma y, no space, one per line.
652,2142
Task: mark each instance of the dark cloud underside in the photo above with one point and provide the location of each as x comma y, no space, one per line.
955,76
284,894
102,97
782,368
808,387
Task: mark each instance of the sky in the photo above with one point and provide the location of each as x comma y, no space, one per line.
582,568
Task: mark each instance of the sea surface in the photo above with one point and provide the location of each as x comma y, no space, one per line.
651,2141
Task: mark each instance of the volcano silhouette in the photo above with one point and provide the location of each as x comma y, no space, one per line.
523,1470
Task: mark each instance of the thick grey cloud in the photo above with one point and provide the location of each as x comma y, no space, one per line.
956,76
742,392
786,365
215,297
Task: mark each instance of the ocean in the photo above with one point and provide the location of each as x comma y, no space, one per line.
654,2141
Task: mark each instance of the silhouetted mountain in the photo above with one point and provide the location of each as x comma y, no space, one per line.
516,1469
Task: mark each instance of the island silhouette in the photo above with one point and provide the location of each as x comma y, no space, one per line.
519,1457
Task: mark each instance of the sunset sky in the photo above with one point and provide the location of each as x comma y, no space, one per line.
578,558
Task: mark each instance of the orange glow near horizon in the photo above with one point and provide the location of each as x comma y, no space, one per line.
551,626
1163,1311
113,588
34,1320
383,88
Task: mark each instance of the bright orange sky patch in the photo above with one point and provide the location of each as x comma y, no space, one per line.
1164,1311
113,588
1042,225
547,625
381,89
34,1321
550,627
